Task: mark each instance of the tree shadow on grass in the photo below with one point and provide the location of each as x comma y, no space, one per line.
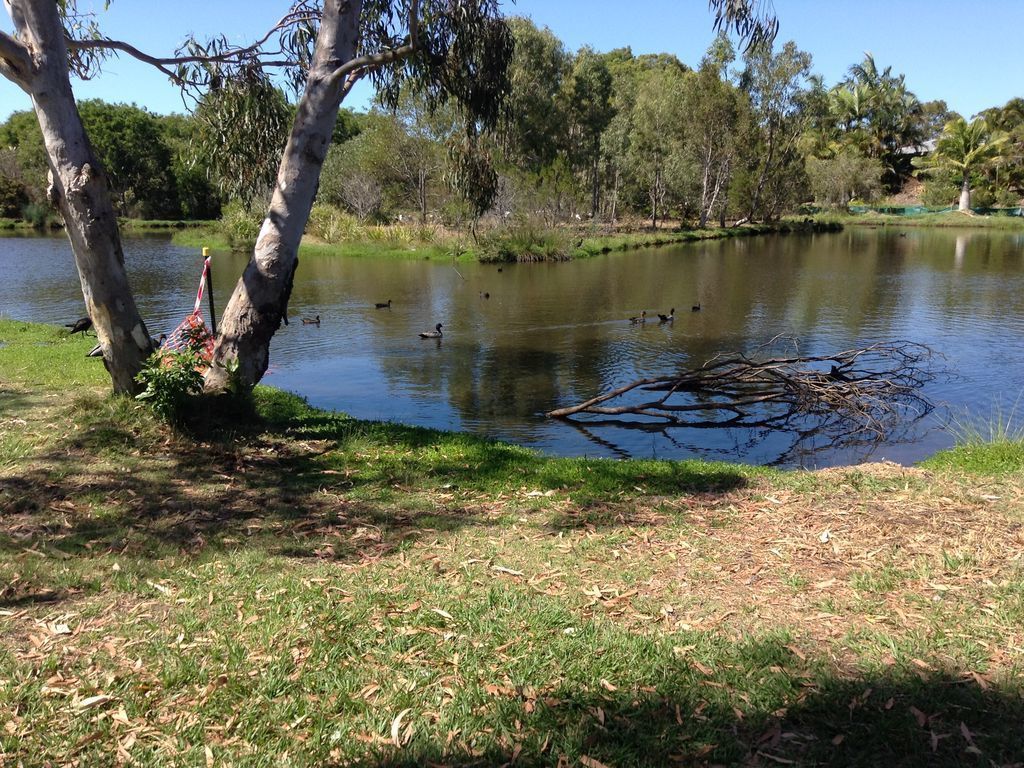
750,715
291,480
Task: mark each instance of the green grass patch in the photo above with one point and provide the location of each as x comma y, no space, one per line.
1004,457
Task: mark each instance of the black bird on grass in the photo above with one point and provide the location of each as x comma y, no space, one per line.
667,318
81,325
311,320
695,307
158,344
384,305
434,334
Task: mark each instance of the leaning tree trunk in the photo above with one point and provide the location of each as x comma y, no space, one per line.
260,299
79,189
965,194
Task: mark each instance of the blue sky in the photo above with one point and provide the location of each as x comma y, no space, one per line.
970,55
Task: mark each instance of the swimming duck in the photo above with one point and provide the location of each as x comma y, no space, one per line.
81,325
485,295
641,318
695,307
387,305
434,334
311,320
667,318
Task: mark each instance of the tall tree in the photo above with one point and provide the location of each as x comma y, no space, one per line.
590,108
717,118
776,84
533,129
656,152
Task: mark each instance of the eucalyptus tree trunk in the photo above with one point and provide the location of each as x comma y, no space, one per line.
78,187
965,193
260,299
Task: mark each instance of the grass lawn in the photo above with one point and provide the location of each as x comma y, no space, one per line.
279,585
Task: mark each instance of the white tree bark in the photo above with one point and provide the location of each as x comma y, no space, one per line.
37,61
965,193
260,299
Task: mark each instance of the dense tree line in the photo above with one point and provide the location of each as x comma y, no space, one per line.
585,136
153,173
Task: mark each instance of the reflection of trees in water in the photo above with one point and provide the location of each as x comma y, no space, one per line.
804,449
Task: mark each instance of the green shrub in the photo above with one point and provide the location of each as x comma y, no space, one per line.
240,225
173,380
13,197
38,215
333,225
940,193
525,241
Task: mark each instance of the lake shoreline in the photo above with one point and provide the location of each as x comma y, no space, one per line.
539,246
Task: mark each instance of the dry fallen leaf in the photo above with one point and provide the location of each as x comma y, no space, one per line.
396,727
590,762
94,701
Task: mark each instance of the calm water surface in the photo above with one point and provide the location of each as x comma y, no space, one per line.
553,334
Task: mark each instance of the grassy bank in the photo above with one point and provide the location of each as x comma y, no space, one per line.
951,220
127,226
516,243
297,587
132,226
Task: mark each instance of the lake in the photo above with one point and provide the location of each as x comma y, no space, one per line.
551,335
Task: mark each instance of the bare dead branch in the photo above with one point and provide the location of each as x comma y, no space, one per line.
855,395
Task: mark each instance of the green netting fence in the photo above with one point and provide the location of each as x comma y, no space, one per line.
917,210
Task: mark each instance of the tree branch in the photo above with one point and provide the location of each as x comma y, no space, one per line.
163,62
15,61
361,64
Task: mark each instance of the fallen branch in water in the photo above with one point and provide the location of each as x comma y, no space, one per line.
858,394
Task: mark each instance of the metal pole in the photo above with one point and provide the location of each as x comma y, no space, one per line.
209,292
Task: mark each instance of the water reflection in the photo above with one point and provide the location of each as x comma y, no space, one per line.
554,334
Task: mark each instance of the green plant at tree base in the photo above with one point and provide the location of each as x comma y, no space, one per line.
173,380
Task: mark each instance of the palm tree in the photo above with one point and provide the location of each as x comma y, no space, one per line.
965,148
